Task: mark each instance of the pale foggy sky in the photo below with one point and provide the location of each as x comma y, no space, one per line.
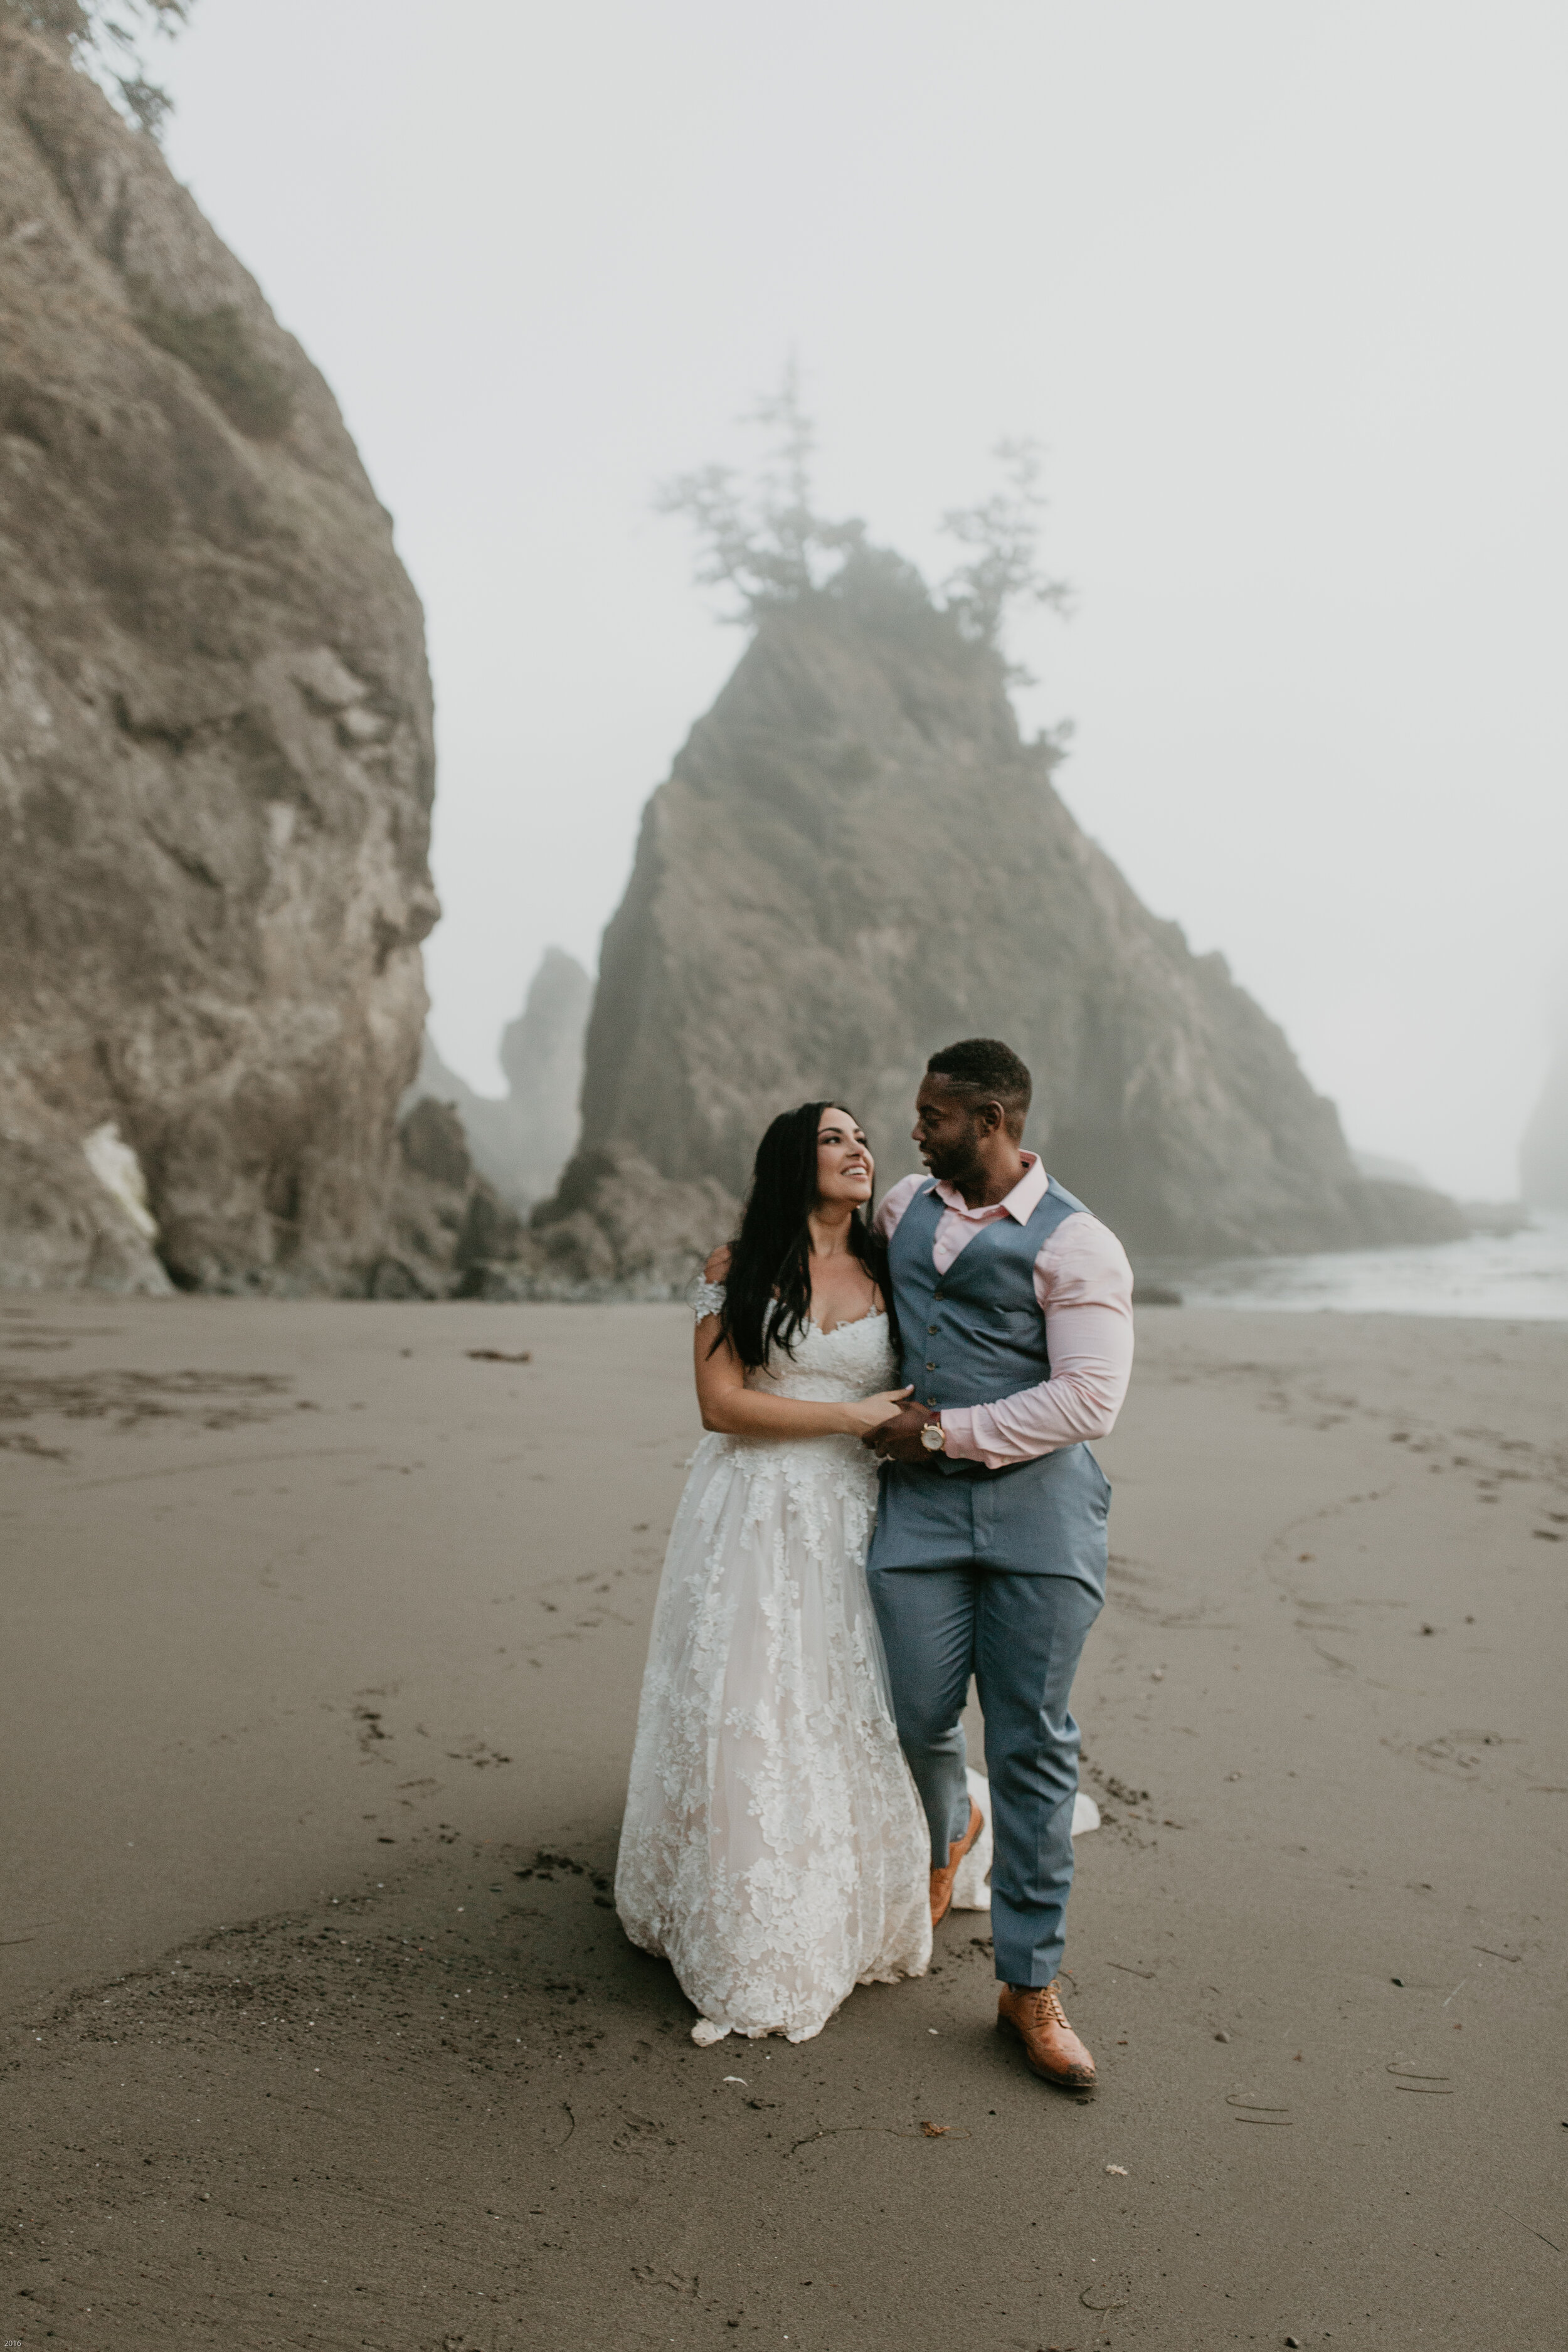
1279,289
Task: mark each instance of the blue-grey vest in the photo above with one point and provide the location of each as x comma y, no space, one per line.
972,1336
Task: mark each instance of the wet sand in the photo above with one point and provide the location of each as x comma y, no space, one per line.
323,1644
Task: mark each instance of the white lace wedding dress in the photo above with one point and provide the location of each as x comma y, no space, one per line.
774,1849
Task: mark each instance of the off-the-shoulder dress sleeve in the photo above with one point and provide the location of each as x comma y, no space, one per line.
707,1298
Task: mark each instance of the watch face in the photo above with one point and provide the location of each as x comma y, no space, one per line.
931,1437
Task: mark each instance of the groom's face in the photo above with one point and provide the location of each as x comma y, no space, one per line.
949,1127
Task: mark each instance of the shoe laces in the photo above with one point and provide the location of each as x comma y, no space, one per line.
1043,2007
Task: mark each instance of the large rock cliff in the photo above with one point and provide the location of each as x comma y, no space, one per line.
216,755
855,860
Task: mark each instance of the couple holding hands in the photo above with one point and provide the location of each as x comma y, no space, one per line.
849,1552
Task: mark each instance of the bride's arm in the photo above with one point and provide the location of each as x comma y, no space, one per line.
729,1406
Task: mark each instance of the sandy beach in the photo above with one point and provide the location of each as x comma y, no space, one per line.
323,1636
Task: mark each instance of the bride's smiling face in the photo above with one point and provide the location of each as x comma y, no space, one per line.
845,1168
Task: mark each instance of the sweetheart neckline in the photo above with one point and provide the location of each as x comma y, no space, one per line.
850,1323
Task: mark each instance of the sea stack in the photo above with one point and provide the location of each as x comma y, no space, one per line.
856,859
520,1141
217,766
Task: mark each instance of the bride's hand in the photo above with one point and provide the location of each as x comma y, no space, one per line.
871,1411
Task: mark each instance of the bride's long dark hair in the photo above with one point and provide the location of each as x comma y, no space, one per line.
769,1257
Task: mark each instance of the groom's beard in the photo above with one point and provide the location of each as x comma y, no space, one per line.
954,1165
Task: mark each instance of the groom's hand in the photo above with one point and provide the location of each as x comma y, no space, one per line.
898,1440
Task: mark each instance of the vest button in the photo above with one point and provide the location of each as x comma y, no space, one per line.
930,1366
931,1326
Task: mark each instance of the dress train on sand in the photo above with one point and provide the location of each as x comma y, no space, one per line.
774,1848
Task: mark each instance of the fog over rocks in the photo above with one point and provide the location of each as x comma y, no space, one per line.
216,750
521,1141
856,859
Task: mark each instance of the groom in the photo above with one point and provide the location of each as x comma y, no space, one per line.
1014,1308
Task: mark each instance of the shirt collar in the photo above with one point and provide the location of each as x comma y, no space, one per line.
1020,1203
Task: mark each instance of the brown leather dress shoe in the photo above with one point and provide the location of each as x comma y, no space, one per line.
1050,2045
942,1880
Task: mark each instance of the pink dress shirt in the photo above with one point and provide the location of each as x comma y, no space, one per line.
1084,1285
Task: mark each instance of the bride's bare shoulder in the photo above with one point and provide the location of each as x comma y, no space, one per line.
718,1266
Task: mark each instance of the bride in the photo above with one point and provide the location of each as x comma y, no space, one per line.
774,1849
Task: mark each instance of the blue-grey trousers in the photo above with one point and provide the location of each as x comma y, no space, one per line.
1021,1638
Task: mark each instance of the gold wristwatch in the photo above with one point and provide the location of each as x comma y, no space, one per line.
933,1437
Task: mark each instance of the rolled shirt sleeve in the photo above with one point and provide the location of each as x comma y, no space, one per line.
1084,1285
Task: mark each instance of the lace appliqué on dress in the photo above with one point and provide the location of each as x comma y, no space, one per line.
774,1849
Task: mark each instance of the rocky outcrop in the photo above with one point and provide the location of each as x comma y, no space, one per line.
618,1225
855,860
215,753
447,1223
542,1054
616,1229
520,1141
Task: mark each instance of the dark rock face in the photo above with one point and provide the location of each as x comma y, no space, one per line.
433,1146
447,1223
215,753
855,860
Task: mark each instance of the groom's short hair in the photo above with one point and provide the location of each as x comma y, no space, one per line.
986,1070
